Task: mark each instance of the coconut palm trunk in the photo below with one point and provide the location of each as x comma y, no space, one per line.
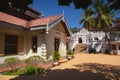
108,40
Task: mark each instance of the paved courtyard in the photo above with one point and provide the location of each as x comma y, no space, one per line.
82,67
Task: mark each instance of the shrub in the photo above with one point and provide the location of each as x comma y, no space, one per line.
40,70
26,70
56,55
29,70
16,72
12,62
33,70
70,52
34,61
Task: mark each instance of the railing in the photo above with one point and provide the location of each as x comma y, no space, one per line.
115,39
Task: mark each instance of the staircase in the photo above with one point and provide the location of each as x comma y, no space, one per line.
80,48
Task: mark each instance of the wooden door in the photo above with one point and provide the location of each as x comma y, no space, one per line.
56,44
34,44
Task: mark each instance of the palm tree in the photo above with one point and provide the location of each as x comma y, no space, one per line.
104,17
84,4
99,17
88,19
88,23
77,3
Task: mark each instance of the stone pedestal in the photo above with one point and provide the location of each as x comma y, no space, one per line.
43,51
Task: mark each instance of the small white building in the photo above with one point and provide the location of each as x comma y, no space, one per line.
83,36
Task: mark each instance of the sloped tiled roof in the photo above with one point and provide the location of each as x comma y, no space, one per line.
116,26
40,22
27,24
12,19
44,21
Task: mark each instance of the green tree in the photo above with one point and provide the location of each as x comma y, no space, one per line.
88,19
84,4
74,29
104,17
78,3
16,4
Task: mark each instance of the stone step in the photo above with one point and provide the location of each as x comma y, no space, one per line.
80,47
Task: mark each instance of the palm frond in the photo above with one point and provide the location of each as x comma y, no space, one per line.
81,21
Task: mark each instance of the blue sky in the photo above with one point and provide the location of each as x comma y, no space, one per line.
51,7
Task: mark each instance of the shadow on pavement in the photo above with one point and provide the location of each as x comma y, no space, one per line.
88,71
109,71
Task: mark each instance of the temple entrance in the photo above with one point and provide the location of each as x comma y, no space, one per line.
80,40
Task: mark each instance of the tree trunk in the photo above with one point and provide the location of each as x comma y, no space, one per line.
108,40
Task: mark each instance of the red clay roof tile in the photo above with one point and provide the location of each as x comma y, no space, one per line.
116,26
12,19
44,21
27,24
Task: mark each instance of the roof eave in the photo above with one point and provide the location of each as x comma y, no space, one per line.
67,26
37,28
62,18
